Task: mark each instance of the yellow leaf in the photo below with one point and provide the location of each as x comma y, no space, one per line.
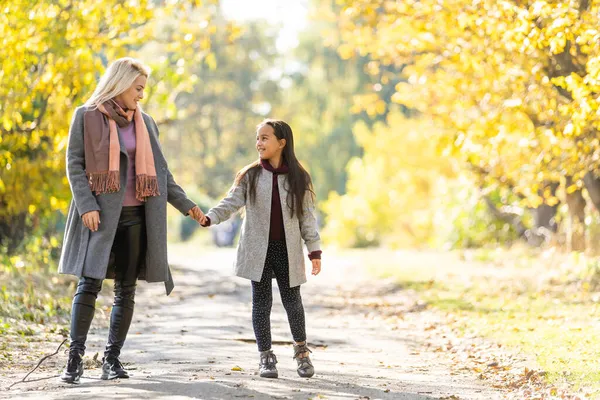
572,189
211,61
346,51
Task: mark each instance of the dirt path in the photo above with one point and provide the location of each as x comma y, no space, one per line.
191,344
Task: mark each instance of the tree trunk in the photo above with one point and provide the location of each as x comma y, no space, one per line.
512,219
592,184
576,231
544,216
12,231
534,237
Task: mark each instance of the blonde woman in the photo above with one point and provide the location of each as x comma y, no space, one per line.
116,226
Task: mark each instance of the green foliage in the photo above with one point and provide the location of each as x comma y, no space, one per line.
402,193
391,189
213,135
31,290
463,219
319,91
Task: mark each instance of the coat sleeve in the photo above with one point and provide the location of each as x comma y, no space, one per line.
84,199
176,196
233,202
308,224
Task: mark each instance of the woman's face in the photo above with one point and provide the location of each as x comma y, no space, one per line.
129,98
267,143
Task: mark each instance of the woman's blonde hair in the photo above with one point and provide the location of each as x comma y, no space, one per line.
119,77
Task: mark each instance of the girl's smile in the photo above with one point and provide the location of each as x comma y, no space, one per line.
268,146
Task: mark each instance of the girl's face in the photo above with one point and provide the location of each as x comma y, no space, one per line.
130,97
267,144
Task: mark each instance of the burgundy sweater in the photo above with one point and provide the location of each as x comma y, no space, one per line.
276,230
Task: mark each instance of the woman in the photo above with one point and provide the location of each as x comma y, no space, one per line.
116,226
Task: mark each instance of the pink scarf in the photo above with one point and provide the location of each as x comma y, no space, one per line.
102,150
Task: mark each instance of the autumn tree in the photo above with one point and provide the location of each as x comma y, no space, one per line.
53,52
213,135
515,81
323,98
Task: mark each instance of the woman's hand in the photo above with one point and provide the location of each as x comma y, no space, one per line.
91,220
197,214
316,266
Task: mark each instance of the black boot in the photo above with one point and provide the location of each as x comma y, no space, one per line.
74,368
113,369
82,314
120,320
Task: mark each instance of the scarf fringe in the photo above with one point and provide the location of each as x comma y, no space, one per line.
146,186
104,182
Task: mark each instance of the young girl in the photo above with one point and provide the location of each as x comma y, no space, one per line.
277,193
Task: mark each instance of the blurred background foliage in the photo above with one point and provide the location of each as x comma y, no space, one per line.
424,124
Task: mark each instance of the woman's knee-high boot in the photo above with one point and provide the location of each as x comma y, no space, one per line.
82,314
120,320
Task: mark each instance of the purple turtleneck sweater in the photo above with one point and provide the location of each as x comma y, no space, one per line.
128,136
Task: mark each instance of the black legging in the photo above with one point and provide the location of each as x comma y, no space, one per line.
129,250
262,298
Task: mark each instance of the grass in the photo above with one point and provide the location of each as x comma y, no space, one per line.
544,305
35,307
33,297
34,314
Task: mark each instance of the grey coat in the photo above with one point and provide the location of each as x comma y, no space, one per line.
254,237
86,253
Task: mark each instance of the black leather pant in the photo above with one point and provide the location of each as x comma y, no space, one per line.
129,251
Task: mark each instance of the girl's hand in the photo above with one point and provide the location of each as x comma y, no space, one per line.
91,220
316,266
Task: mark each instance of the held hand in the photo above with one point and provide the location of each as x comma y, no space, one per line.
91,220
197,214
316,266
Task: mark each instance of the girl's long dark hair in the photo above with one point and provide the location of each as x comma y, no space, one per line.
298,181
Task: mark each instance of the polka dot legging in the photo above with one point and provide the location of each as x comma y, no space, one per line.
262,298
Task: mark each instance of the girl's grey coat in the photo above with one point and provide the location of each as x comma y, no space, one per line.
87,253
254,237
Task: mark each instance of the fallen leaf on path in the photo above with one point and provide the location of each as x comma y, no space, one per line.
236,368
